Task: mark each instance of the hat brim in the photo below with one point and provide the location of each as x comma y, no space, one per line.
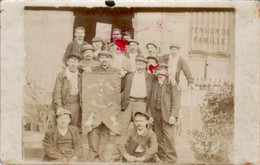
151,44
141,113
104,54
134,42
73,55
144,61
150,57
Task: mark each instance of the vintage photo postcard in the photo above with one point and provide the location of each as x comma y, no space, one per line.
116,82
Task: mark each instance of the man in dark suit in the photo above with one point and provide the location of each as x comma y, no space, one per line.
164,110
136,90
176,64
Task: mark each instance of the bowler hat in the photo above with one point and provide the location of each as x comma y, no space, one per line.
105,53
74,54
175,46
142,113
141,58
152,57
150,43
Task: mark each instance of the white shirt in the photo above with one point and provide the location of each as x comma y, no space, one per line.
132,60
138,88
73,77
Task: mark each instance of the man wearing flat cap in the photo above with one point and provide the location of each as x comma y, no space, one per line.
177,64
88,61
133,52
152,49
164,110
63,142
97,43
141,144
100,129
151,64
67,88
136,91
76,45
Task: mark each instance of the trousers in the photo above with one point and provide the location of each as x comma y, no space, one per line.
165,137
73,104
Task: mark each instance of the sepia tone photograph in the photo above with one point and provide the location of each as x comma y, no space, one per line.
128,84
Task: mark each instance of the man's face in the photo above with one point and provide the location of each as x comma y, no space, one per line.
116,35
151,50
140,122
133,47
79,34
104,60
161,72
174,51
97,45
151,62
140,66
73,64
128,38
88,55
63,121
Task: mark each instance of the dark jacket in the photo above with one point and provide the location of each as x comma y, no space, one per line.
181,66
127,84
108,69
170,100
62,89
51,149
146,141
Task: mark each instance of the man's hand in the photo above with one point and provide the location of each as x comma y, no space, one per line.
141,159
151,120
87,69
191,86
172,80
172,120
129,158
74,159
123,73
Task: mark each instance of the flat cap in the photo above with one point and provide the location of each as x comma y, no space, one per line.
105,53
62,111
162,64
175,46
142,113
87,47
153,57
134,42
97,39
141,58
150,43
74,54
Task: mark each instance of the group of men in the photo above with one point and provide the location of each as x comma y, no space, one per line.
150,96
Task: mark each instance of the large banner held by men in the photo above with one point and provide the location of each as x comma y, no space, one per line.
101,100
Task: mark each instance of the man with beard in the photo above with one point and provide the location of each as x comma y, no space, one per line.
116,35
133,53
141,144
152,49
100,131
97,43
67,88
88,60
62,143
76,45
164,110
177,64
136,91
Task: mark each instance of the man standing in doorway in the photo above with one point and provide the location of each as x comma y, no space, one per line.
76,45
